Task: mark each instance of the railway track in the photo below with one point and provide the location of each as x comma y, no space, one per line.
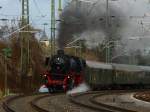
32,103
84,102
39,108
6,106
88,100
36,107
28,104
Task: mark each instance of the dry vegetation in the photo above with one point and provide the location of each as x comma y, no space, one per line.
13,64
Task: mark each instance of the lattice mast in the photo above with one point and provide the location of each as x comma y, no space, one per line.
60,7
25,38
53,27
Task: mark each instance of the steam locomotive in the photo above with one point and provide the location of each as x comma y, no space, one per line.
64,72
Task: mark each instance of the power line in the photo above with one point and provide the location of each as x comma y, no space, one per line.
8,15
17,30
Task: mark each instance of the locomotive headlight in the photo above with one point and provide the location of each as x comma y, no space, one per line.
45,75
68,77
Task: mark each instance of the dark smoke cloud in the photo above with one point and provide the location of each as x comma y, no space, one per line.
79,17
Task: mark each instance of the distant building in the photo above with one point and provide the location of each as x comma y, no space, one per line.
44,39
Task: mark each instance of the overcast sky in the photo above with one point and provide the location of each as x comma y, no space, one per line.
39,11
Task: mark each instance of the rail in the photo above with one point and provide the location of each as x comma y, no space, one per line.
96,105
6,104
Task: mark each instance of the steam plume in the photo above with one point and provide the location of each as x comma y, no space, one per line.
81,88
79,17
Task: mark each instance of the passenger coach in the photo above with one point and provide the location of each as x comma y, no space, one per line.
117,76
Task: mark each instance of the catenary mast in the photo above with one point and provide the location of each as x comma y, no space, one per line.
53,27
25,36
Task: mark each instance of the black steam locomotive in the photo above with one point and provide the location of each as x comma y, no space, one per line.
64,71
